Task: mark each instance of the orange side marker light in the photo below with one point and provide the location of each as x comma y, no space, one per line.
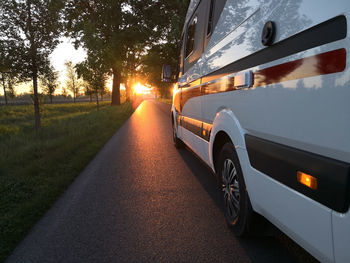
307,180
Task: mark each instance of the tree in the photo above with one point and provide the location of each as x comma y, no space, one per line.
49,81
4,87
112,28
4,67
166,50
31,29
152,67
102,90
98,27
131,64
88,91
12,80
8,77
8,81
64,92
93,71
72,81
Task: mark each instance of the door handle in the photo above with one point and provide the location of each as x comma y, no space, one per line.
244,80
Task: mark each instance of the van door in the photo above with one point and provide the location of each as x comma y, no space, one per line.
195,32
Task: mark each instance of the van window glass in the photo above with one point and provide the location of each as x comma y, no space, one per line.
196,31
191,31
211,16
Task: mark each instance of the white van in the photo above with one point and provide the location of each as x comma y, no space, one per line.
263,97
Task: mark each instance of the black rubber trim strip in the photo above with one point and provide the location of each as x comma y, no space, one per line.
199,128
282,162
324,33
193,125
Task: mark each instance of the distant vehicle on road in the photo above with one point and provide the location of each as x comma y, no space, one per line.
262,96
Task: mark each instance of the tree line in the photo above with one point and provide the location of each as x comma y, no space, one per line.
123,39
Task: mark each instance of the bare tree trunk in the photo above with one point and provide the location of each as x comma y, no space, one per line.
3,84
116,86
132,92
97,102
34,67
90,96
74,90
36,102
127,91
51,98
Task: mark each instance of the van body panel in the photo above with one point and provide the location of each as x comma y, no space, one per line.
307,222
265,109
243,29
193,107
341,236
302,219
195,143
295,93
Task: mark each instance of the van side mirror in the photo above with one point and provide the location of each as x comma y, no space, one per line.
167,74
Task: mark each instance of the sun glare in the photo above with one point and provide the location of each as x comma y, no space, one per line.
141,89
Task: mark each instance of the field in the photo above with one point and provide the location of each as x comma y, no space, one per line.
36,168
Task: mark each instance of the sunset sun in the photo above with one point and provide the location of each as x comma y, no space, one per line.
141,89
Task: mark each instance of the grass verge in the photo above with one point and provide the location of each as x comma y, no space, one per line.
35,169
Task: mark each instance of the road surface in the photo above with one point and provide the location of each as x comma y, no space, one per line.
142,200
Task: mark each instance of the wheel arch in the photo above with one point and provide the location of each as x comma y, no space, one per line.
173,113
226,128
220,139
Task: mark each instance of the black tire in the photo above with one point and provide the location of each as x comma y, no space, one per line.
177,142
238,209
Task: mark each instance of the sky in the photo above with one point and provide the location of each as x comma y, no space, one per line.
65,51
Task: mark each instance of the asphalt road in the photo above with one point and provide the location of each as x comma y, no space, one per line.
142,200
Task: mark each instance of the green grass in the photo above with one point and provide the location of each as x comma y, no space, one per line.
165,100
36,168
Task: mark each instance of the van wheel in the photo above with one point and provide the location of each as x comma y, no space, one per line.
177,142
238,210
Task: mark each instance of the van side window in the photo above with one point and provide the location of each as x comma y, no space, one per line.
214,12
191,32
211,16
196,30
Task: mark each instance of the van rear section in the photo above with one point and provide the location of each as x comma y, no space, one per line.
262,97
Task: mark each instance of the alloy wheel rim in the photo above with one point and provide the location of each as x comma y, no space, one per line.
230,187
